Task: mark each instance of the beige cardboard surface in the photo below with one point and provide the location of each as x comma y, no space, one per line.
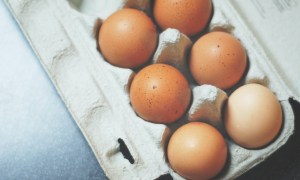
95,92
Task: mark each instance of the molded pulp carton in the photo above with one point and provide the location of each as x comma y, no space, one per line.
63,35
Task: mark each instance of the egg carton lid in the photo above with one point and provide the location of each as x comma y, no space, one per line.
275,26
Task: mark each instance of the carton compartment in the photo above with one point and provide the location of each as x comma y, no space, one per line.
96,93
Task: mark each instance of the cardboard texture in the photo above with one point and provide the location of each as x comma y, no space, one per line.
63,36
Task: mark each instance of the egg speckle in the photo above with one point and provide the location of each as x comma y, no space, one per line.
253,116
188,16
128,38
197,151
160,93
219,59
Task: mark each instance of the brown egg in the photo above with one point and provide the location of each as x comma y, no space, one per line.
160,93
219,59
188,16
197,151
253,116
128,38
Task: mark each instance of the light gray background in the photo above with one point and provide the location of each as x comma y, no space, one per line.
38,137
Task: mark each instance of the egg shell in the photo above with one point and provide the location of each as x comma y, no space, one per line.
190,17
160,93
219,59
128,38
253,116
197,151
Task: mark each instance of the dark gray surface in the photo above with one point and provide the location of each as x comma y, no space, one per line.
38,137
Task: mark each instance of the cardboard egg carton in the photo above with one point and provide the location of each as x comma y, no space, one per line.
63,35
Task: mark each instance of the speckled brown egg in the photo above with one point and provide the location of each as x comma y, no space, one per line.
219,59
128,38
188,16
197,151
160,93
253,116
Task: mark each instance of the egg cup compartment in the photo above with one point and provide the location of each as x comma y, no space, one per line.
96,93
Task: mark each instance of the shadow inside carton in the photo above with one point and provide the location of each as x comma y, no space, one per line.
98,8
76,4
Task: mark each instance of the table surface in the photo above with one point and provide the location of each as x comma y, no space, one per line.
40,140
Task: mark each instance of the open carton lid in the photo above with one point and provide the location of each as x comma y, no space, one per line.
275,26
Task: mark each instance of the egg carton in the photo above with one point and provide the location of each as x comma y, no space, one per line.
63,35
